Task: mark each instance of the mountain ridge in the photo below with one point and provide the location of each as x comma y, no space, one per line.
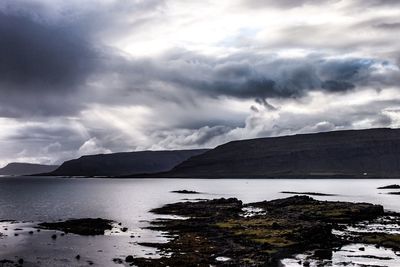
369,153
123,163
22,168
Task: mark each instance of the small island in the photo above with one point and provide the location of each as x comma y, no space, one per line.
185,192
392,186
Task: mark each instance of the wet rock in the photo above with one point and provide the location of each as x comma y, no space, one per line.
217,228
307,193
54,236
202,208
392,186
323,253
5,261
86,226
124,229
386,240
371,257
185,192
129,259
118,261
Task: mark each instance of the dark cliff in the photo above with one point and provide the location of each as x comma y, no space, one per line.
17,168
116,164
372,153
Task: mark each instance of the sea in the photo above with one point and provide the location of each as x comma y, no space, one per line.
25,201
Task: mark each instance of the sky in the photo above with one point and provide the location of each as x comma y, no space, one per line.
102,76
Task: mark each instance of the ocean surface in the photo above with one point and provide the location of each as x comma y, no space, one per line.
28,200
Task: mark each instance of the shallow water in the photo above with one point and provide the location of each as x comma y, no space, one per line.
38,199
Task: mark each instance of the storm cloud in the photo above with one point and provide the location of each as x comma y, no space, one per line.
42,57
108,76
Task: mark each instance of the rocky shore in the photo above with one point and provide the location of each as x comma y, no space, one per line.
226,232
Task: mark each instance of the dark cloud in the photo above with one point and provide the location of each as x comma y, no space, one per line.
59,63
46,64
41,65
337,86
263,102
259,76
39,56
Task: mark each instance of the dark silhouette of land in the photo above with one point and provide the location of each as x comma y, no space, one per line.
17,168
372,153
117,164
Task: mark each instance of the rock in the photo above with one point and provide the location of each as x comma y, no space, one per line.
85,226
285,227
392,186
323,253
21,261
185,192
307,193
78,257
118,261
124,229
54,236
129,259
361,249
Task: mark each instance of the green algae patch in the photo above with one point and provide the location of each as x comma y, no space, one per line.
386,240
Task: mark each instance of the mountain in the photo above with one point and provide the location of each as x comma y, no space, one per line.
117,164
372,153
16,168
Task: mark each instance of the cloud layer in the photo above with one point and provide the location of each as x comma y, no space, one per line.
107,76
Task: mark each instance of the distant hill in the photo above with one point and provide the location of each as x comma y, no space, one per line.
118,164
372,153
16,168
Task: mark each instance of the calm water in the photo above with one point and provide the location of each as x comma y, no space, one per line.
128,201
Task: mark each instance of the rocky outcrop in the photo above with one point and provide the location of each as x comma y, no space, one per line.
216,232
